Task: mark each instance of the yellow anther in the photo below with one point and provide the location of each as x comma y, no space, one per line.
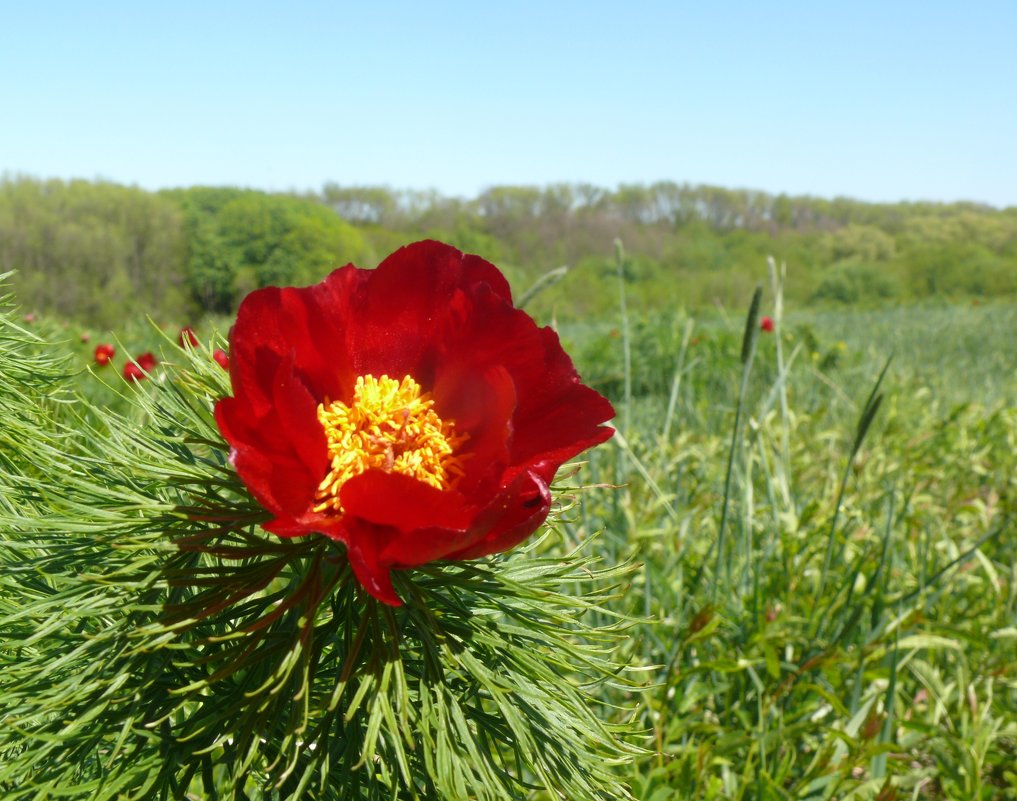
390,426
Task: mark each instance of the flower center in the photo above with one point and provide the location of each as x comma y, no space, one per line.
390,426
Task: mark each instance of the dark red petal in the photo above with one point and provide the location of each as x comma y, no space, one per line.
404,504
363,552
303,324
283,455
277,481
481,403
319,320
364,541
132,372
439,270
479,271
392,325
565,425
395,521
298,419
556,416
285,526
510,518
396,326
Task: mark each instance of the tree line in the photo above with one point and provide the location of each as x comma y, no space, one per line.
94,250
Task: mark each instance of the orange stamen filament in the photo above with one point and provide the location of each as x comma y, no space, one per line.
390,426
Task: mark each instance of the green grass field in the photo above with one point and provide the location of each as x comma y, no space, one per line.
852,631
823,603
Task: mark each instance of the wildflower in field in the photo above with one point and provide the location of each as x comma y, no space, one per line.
147,362
187,335
410,412
85,336
139,368
221,358
766,324
104,353
132,372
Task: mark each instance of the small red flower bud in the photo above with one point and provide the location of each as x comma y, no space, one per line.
140,367
104,353
766,324
187,335
221,358
132,372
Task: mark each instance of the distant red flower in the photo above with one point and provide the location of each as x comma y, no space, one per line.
187,335
30,317
410,412
766,324
104,353
140,368
221,358
85,336
132,372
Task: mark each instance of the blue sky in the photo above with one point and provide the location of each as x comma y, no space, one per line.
880,101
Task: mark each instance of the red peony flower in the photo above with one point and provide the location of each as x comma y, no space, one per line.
132,372
221,358
147,362
139,369
104,353
766,323
187,335
410,412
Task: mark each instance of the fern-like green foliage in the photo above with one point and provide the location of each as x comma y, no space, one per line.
156,643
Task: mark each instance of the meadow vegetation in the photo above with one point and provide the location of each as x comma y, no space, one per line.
821,517
828,592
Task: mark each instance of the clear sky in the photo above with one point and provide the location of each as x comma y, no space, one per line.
891,100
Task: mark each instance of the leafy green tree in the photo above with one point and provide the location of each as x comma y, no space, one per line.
88,250
241,240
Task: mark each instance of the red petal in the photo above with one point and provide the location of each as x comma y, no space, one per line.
396,326
481,402
393,521
282,456
364,558
276,480
298,419
406,505
558,417
510,518
303,324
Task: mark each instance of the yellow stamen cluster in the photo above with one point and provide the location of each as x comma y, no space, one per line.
391,426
